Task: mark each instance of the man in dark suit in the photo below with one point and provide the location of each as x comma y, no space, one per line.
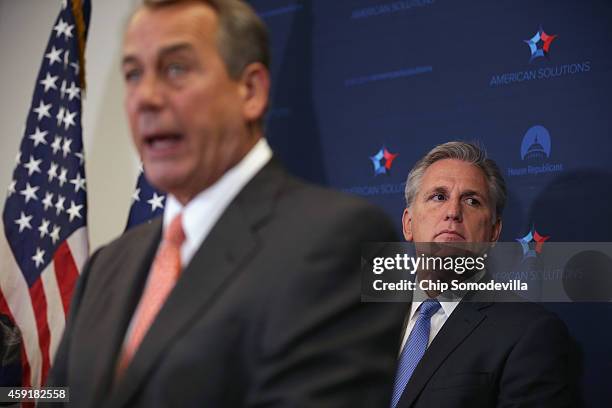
472,351
247,292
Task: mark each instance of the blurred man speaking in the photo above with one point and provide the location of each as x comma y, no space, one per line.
246,293
469,351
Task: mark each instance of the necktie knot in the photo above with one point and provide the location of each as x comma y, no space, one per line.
429,308
175,234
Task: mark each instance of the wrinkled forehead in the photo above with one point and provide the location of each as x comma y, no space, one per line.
455,174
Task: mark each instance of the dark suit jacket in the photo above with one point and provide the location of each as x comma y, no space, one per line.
267,313
494,354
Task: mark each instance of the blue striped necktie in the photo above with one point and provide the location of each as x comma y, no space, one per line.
414,349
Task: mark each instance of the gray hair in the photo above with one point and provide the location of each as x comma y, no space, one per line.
243,36
467,152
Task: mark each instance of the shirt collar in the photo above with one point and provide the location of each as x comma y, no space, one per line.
447,306
202,212
448,300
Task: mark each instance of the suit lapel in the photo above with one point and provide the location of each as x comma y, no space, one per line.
232,241
115,307
458,327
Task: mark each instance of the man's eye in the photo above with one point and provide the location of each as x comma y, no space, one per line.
175,70
131,75
438,197
472,201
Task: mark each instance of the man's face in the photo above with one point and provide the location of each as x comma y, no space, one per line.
452,205
186,114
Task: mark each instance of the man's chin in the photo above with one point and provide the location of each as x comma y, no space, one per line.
451,248
177,183
164,179
449,238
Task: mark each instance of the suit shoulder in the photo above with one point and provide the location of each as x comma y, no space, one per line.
135,234
327,207
521,314
327,199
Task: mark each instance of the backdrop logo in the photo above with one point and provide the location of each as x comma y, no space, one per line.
389,8
535,152
536,143
532,243
539,44
382,161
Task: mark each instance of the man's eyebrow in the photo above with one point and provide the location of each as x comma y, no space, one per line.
163,52
129,59
437,189
174,48
472,193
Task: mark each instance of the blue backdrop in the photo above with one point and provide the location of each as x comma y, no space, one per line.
363,88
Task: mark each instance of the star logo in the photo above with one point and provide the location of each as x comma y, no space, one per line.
48,200
24,222
73,91
42,111
532,243
156,202
54,55
382,161
136,195
539,44
74,211
39,258
29,193
79,183
33,166
62,178
44,228
55,234
39,136
59,205
49,82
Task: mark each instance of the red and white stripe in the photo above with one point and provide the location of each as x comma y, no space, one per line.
40,311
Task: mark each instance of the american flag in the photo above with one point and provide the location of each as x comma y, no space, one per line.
147,202
44,242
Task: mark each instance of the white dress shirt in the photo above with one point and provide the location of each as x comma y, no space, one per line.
449,302
204,210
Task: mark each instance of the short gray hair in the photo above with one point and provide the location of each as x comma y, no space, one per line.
243,36
467,152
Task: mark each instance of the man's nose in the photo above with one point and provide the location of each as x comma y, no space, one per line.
453,210
149,93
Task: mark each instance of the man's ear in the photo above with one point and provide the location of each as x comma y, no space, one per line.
254,89
496,230
407,225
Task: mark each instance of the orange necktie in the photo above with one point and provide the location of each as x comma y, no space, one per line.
165,271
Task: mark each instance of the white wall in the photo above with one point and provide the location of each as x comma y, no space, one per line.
111,162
